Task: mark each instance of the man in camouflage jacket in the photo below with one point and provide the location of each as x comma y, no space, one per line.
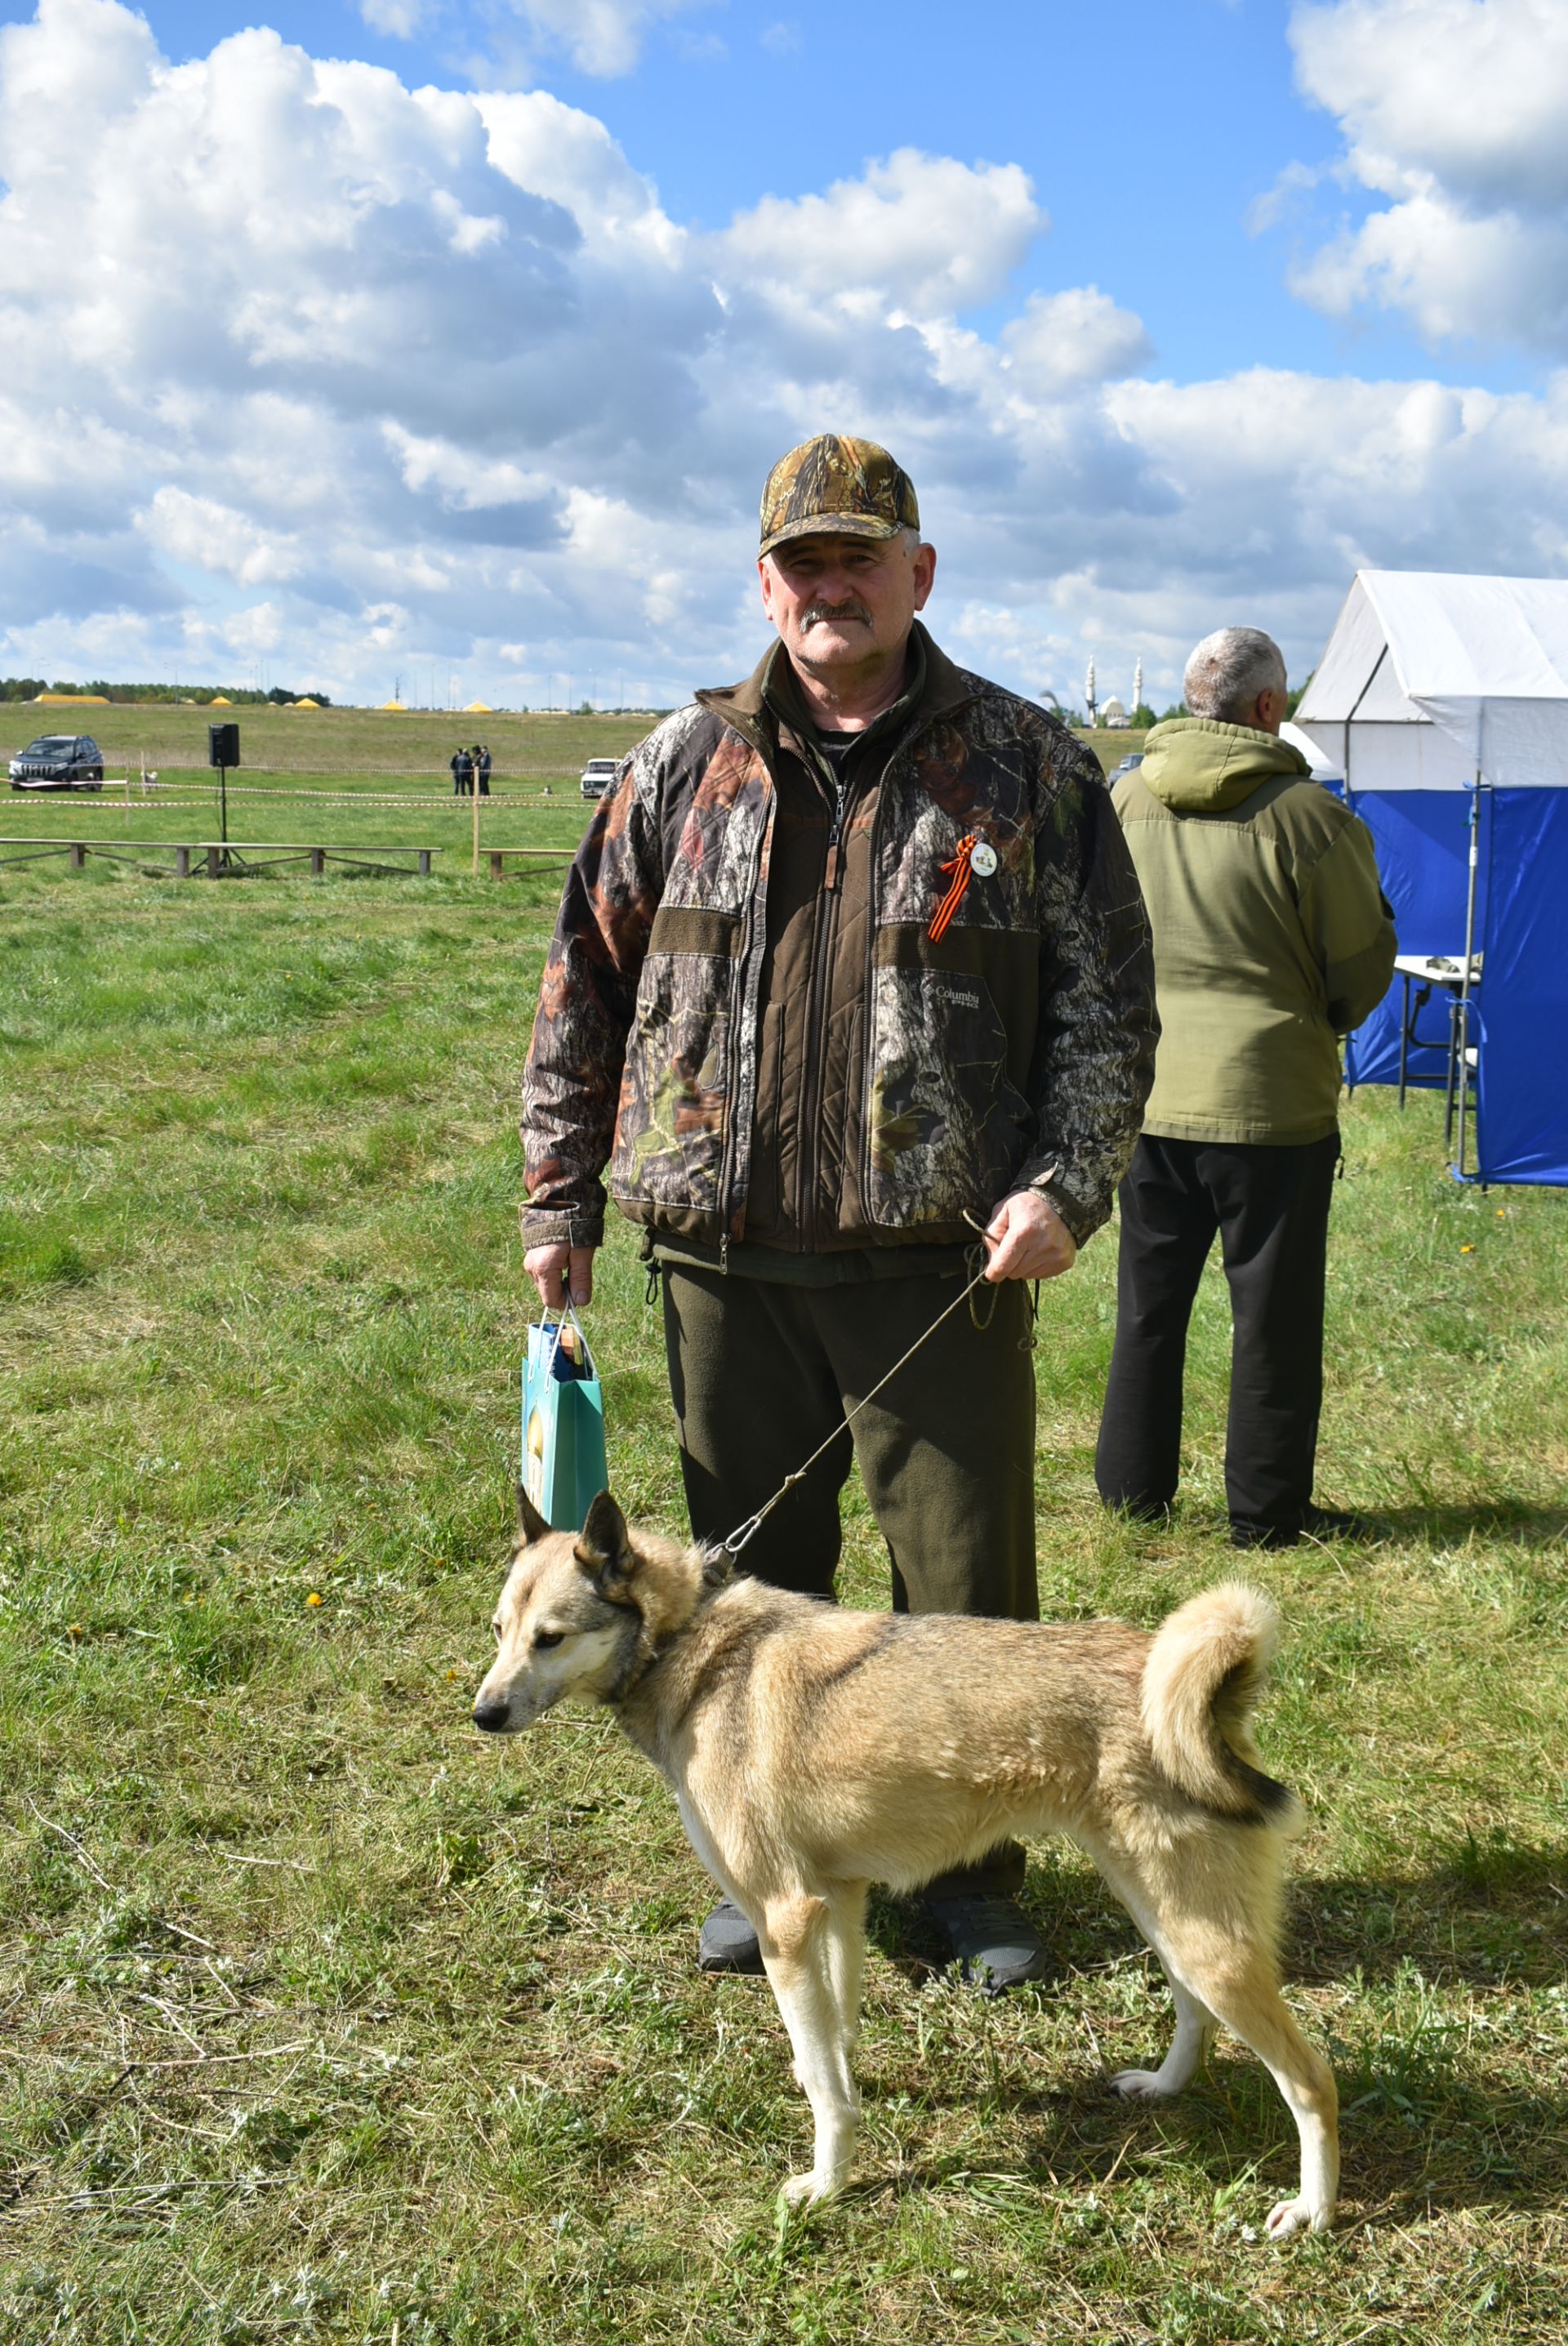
802,1095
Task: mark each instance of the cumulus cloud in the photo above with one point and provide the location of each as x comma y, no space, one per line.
402,375
602,36
1063,340
920,232
218,537
399,19
1452,113
598,36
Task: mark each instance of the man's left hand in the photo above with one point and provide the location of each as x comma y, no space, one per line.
1031,1239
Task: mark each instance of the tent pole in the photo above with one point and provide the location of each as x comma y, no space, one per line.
1355,710
1463,1005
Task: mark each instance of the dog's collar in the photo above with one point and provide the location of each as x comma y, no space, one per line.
644,1655
717,1571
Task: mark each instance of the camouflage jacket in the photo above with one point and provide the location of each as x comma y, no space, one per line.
1016,1051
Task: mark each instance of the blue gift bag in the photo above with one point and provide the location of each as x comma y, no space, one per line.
563,1467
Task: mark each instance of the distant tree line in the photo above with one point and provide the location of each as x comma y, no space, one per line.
28,687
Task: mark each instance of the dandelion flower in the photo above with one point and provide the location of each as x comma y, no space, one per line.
76,1630
1464,1250
314,1597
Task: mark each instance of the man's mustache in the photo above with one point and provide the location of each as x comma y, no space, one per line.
816,612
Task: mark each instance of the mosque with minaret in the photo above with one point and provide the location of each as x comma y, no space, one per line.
1112,712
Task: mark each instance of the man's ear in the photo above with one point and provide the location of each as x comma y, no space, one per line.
530,1522
603,1548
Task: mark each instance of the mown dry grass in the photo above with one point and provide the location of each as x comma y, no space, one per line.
324,2019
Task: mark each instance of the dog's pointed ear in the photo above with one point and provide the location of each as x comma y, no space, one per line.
530,1522
603,1549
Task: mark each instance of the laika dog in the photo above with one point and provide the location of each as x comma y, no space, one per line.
815,1751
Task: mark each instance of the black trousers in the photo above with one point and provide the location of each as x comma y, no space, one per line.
760,1373
1271,1207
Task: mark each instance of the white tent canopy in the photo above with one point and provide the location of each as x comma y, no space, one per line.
1324,770
1432,677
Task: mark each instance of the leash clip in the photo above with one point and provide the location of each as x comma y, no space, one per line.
748,1530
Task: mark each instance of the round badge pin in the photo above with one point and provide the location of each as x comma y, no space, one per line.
982,860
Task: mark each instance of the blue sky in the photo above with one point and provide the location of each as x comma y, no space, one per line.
1176,313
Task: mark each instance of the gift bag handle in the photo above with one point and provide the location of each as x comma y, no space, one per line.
567,1312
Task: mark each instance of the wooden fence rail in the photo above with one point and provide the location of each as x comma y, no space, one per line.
214,859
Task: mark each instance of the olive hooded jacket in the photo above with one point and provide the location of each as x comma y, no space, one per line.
1272,937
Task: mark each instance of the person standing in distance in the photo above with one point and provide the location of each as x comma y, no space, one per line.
1272,939
803,1072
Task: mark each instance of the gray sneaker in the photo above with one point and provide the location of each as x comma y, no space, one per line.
993,1941
727,1941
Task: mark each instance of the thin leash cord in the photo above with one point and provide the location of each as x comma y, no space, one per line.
753,1523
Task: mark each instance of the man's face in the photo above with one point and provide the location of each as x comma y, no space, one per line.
845,603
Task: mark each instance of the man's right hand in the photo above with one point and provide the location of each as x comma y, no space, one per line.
556,1269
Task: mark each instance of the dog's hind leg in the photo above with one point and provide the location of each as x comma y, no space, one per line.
1196,2024
1243,1989
1195,2032
846,1928
1229,1974
797,1937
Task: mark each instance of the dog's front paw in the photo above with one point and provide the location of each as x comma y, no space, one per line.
808,2190
1293,2216
1139,2085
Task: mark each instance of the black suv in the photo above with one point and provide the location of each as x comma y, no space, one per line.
58,761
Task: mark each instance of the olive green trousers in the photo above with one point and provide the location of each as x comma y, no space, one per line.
762,1372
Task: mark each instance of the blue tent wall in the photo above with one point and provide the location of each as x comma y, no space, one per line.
1422,839
1522,1029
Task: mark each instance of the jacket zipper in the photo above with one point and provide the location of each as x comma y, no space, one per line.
830,886
806,1199
744,989
868,1024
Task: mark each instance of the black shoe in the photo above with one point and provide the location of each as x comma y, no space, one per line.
1148,1515
1245,1531
992,1939
1317,1524
727,1941
1338,1523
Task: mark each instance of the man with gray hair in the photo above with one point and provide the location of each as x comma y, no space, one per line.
1272,939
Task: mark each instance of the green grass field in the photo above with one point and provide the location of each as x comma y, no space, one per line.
413,742
359,740
353,778
325,2019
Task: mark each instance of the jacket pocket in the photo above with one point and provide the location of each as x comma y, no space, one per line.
672,1126
946,1127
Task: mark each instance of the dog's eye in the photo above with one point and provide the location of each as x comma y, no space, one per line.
548,1637
497,1626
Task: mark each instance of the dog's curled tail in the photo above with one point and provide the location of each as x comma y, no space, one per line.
1202,1680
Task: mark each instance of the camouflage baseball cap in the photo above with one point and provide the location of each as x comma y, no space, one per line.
835,487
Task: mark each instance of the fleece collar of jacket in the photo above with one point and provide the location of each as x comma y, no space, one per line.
1196,765
749,707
